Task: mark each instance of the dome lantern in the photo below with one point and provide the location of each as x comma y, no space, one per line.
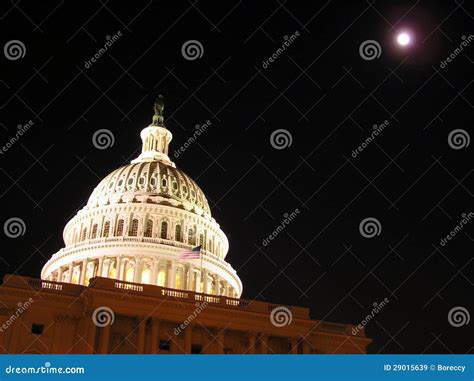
156,138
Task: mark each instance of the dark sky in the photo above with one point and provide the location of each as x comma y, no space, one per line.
319,89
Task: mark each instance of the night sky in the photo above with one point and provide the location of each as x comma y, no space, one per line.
414,178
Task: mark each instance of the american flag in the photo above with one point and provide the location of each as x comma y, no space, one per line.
195,253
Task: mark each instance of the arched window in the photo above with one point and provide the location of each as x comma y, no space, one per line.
134,228
149,228
177,233
106,229
119,230
94,231
84,234
191,237
164,230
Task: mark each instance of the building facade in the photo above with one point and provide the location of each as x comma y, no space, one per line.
128,280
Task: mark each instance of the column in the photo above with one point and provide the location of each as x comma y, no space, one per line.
191,285
264,344
101,266
155,331
83,272
118,268
198,281
252,339
188,332
137,276
205,282
220,341
154,272
294,345
172,275
69,275
218,284
185,276
90,334
141,335
60,274
104,339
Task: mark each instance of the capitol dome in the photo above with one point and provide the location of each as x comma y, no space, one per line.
140,224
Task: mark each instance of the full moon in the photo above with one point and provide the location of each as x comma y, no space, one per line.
403,39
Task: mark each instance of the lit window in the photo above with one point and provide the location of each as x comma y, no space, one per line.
134,228
149,228
164,230
94,231
119,230
177,233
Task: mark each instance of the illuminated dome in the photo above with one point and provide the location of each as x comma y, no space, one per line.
139,222
158,182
